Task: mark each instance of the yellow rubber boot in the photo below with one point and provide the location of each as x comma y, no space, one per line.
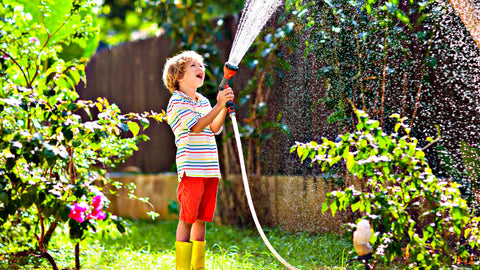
183,255
198,255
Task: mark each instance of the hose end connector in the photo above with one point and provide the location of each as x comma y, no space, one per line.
230,108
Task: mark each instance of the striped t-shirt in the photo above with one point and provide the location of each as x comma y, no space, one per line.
196,152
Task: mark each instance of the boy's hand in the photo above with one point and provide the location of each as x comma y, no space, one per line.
224,96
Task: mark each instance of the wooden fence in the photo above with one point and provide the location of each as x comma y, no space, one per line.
130,76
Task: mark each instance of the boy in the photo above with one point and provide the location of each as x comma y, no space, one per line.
194,123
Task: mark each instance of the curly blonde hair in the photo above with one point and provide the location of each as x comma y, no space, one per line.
174,69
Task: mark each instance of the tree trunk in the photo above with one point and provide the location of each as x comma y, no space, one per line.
77,256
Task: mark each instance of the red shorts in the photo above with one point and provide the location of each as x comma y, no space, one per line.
197,197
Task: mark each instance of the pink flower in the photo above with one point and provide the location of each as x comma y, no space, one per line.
34,40
77,211
98,215
97,204
81,211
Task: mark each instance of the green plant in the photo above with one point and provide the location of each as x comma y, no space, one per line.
54,152
365,48
394,187
464,170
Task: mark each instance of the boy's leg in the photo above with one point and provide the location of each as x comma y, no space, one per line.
183,255
198,255
205,214
209,199
183,231
198,231
198,247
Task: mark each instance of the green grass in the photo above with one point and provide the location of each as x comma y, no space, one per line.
151,245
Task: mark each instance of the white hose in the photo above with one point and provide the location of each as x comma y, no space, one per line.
249,196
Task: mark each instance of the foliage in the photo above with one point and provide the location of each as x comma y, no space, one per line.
54,152
467,173
183,21
366,47
394,187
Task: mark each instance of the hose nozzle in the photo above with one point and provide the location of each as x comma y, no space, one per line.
229,70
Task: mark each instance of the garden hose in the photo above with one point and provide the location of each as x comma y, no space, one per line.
229,71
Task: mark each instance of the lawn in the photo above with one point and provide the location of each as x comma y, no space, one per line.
150,245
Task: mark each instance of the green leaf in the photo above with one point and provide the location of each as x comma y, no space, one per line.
334,206
120,227
67,133
134,128
324,206
335,117
10,163
4,197
357,205
51,15
404,18
422,18
471,160
75,75
293,148
145,122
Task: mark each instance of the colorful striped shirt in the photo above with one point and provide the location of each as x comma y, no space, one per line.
197,154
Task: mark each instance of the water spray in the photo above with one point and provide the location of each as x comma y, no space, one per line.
255,15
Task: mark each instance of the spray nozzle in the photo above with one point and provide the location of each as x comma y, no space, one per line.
229,70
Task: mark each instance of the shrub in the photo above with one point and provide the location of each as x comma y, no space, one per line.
54,152
408,206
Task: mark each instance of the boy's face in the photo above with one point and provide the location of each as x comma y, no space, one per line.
194,75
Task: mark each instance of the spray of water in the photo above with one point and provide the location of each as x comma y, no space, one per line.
254,16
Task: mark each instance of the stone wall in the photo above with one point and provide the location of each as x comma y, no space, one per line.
158,188
291,203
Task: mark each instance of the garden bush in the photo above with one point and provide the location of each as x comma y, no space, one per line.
55,149
419,220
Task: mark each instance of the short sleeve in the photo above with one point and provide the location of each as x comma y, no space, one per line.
186,115
181,114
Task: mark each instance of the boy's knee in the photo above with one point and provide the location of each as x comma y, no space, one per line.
199,222
185,223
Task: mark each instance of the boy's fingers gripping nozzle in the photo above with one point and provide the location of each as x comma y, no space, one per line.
229,70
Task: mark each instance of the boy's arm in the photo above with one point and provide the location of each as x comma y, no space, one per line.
205,120
217,123
217,115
